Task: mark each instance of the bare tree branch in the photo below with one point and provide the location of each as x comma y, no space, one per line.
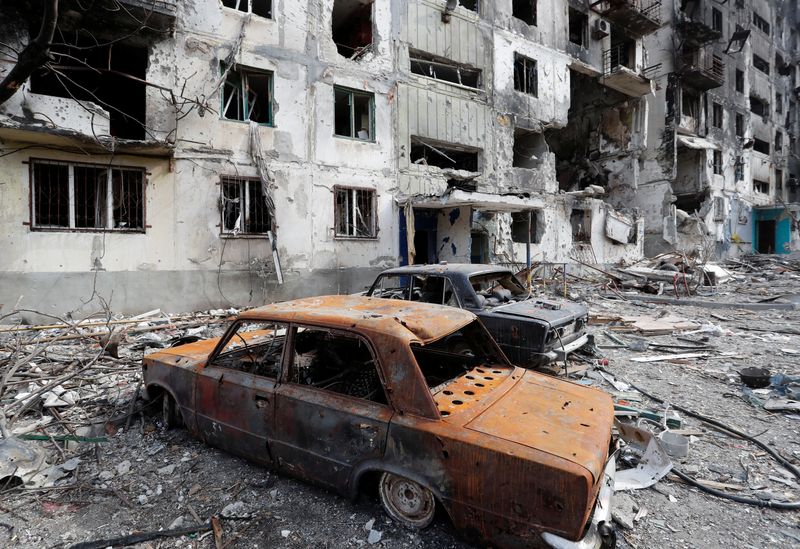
34,55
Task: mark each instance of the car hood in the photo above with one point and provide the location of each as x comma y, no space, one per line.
554,312
564,419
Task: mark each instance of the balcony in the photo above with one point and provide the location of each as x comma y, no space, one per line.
694,22
702,74
619,73
144,16
638,17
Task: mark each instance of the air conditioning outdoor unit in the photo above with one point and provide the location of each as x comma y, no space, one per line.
601,29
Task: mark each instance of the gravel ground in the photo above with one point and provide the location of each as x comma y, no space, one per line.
145,478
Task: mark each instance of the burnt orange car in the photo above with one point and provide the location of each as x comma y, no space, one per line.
339,389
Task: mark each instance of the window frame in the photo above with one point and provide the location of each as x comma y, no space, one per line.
716,109
526,60
71,190
716,162
374,202
243,71
245,182
250,11
352,93
716,17
229,335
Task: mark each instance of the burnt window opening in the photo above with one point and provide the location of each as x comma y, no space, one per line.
739,125
247,95
717,163
578,25
256,7
761,186
761,23
716,19
529,148
716,116
761,64
254,348
580,220
758,106
759,145
778,140
336,361
471,5
87,196
526,77
443,69
690,203
443,156
525,10
351,26
778,179
112,76
739,81
690,104
354,114
779,102
355,212
519,227
244,206
738,169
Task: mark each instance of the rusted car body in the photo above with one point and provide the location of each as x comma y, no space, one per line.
532,331
335,389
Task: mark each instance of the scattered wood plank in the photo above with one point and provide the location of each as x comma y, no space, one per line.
661,358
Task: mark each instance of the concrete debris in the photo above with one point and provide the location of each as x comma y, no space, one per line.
237,509
374,537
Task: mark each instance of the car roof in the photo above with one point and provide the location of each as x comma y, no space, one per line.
406,320
465,269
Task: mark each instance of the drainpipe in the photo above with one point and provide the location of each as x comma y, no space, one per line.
528,246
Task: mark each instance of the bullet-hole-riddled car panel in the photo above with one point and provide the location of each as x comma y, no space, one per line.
531,331
330,389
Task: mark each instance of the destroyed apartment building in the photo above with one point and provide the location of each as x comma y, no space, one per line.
207,152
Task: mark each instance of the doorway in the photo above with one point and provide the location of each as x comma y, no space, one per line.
766,236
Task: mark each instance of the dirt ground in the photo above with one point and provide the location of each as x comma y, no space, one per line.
145,478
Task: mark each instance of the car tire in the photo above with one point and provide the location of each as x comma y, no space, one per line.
406,501
170,414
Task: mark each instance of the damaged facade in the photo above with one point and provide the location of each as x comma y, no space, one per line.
192,154
719,172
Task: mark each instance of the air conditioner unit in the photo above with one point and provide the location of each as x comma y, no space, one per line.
601,29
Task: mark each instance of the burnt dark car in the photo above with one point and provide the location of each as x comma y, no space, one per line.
350,391
532,331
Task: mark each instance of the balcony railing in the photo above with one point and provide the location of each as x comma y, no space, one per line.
620,72
695,26
638,17
164,7
703,75
617,57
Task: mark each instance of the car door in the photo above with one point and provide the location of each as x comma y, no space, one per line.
331,408
235,392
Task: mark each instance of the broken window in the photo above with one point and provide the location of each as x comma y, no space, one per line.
526,11
578,23
86,196
778,140
759,145
581,226
716,19
519,227
739,81
738,169
525,75
351,24
761,64
336,361
444,69
719,208
111,75
354,114
529,147
471,5
244,206
444,156
760,186
256,7
355,212
778,102
247,95
758,106
716,119
760,23
778,179
254,348
717,163
690,104
739,125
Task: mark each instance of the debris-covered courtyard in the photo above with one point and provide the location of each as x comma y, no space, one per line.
113,475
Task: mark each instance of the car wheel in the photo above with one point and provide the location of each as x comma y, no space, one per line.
406,501
170,414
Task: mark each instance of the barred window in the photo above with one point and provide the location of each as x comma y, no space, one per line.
244,206
354,211
86,196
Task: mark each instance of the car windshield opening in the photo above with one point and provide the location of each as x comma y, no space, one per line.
255,348
497,288
453,356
